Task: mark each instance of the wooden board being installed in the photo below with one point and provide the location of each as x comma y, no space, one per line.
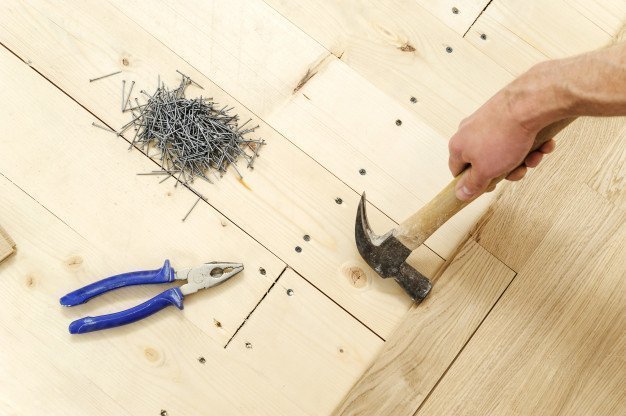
525,317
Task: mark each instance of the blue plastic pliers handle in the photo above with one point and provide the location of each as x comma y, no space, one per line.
202,277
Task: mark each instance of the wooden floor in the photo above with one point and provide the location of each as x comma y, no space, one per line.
528,312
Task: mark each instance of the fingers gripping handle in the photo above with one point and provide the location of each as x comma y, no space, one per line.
421,225
163,275
171,296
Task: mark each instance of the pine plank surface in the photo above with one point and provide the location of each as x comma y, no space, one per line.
288,194
268,343
402,49
429,339
124,222
7,245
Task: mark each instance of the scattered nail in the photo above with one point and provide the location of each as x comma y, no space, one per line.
105,76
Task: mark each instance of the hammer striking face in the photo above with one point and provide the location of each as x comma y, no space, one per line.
386,255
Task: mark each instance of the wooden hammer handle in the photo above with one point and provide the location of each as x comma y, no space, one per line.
419,226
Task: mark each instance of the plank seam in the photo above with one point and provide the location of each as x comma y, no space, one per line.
477,17
344,309
257,305
42,205
466,343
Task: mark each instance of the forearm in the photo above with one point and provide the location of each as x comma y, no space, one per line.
593,84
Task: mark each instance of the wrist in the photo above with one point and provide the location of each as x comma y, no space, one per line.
540,96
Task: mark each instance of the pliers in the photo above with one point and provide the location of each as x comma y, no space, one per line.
201,277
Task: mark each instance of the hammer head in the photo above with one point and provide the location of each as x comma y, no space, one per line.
386,255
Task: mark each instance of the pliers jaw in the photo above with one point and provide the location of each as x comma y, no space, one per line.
207,275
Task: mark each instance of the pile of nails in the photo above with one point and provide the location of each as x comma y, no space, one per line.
193,137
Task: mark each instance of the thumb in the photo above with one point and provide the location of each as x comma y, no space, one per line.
471,184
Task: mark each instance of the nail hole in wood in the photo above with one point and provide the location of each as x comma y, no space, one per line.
338,200
449,49
398,122
248,345
298,249
413,100
289,292
483,36
362,171
202,360
262,271
455,10
163,412
307,237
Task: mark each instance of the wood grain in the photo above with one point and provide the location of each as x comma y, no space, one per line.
7,245
430,337
457,14
555,342
289,193
581,147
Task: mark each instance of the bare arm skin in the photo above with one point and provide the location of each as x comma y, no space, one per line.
498,136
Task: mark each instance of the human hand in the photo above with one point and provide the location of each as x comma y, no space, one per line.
490,143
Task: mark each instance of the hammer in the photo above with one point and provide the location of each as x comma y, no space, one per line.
387,253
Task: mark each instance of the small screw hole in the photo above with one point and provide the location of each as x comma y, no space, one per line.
202,360
449,49
483,36
398,122
413,100
163,412
362,171
338,200
262,271
248,345
289,292
307,237
298,249
455,10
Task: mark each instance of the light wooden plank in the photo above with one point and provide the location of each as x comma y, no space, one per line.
430,337
7,245
292,332
138,369
610,15
580,148
401,48
498,42
288,194
552,27
88,178
555,342
457,14
337,117
608,177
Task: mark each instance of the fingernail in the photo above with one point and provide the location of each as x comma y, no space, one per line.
463,193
